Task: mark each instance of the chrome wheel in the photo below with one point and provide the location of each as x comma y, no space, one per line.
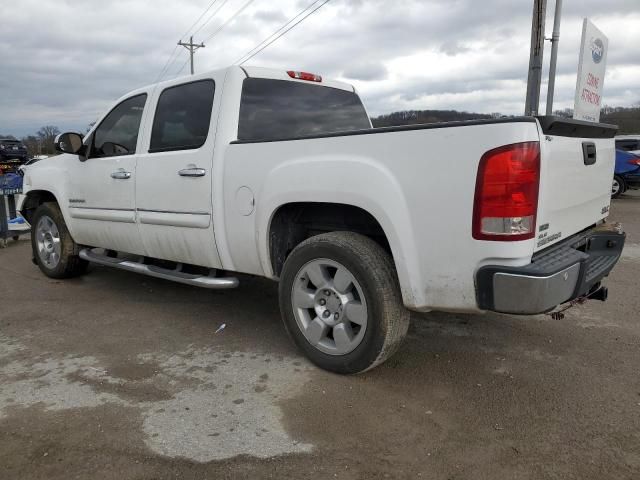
329,306
615,187
48,242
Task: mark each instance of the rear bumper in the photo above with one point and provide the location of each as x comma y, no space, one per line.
561,273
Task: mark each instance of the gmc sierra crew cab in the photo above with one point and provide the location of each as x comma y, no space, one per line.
280,174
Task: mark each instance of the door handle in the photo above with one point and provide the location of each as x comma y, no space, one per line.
121,174
192,172
589,153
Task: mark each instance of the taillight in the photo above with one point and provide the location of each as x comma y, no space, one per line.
310,77
634,161
506,199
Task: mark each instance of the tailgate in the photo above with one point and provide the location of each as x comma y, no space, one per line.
576,171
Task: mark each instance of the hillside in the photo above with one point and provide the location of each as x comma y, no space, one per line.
628,119
411,117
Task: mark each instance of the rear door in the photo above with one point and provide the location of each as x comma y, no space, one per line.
174,174
577,162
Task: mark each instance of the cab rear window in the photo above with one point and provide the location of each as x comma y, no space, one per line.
281,109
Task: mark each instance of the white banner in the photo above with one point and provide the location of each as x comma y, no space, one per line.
591,69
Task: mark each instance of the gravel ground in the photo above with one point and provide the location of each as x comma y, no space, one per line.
115,375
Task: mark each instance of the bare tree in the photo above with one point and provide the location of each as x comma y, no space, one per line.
33,145
47,135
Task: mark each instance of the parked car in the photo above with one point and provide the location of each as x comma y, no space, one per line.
628,143
280,174
12,154
12,149
626,173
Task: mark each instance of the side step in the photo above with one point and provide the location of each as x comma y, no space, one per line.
158,272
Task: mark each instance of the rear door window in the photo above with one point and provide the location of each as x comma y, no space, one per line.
281,109
183,116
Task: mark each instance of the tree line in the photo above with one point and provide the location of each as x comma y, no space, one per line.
626,118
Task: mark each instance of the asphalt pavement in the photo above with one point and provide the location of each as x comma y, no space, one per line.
119,376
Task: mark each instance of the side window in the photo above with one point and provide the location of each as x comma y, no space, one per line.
627,145
118,132
182,117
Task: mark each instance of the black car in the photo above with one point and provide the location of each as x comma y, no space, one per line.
13,153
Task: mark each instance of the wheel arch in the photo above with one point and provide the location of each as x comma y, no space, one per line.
33,199
292,223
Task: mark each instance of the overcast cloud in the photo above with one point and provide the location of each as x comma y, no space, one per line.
63,62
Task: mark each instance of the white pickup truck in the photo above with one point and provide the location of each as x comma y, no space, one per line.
280,174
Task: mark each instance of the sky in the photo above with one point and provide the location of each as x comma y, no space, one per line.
64,62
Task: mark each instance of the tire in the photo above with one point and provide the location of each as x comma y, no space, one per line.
357,284
54,251
618,187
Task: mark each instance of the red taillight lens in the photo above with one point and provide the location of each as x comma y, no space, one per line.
634,161
310,77
506,200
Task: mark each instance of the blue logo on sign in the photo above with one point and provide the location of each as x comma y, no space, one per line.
597,50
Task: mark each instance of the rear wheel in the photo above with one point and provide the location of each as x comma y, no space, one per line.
54,250
618,187
341,302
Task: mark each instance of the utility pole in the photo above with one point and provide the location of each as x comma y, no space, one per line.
535,59
192,47
555,38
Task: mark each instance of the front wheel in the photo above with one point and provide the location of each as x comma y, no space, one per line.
341,302
54,250
618,187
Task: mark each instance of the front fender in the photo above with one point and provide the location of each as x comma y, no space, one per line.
50,176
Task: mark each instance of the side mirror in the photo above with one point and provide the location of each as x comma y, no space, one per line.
69,142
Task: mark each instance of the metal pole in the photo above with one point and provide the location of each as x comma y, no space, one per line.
191,52
535,59
555,39
192,47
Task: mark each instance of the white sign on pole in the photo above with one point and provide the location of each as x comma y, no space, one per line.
591,68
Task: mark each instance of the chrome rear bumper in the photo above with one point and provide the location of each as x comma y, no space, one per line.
556,275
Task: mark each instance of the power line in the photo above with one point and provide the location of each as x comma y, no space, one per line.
199,18
278,30
182,67
229,20
171,59
285,31
215,12
167,65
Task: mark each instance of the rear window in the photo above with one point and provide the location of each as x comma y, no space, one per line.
280,109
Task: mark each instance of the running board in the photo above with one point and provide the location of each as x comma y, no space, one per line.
158,272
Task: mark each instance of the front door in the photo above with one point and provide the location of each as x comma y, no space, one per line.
174,175
102,187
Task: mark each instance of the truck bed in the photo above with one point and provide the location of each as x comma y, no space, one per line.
418,182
